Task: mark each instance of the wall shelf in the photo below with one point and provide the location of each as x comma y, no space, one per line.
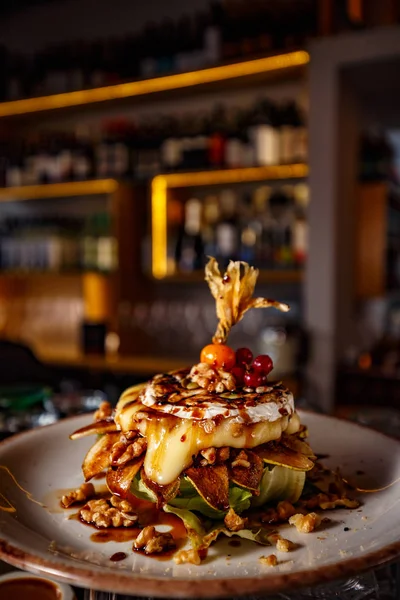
59,190
290,64
162,183
265,276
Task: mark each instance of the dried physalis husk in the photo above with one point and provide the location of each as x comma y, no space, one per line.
233,293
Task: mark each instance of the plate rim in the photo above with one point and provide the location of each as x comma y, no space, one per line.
121,582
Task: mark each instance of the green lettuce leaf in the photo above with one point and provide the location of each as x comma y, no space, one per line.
280,483
201,538
141,491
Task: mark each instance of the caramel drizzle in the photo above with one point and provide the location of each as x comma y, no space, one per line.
5,504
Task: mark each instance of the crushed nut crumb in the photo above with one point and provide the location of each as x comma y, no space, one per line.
210,456
285,510
84,492
284,545
212,380
305,523
234,522
187,556
241,460
269,561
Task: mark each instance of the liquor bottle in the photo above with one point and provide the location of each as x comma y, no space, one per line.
106,244
89,252
265,248
234,146
281,204
82,155
300,224
212,34
227,228
218,130
189,249
264,134
211,215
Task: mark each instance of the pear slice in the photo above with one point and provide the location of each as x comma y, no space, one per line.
98,457
248,477
212,483
119,479
99,427
277,454
164,493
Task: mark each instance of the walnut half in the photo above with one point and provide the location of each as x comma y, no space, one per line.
112,513
152,541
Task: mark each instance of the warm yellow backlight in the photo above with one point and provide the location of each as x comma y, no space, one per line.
58,190
159,84
159,197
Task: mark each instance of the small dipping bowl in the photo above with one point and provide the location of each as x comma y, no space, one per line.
19,585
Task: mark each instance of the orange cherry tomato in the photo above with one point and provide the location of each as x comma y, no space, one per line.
219,356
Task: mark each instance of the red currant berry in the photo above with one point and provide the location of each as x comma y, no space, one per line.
254,378
263,363
238,373
244,356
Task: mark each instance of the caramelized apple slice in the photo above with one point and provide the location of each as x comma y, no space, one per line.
98,457
212,483
278,454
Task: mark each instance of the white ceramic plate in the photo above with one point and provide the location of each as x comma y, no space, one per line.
43,461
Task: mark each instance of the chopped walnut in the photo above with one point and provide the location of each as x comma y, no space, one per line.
305,523
329,501
84,492
269,561
241,460
285,510
223,454
103,412
210,456
234,522
152,541
123,451
284,545
212,380
187,556
102,514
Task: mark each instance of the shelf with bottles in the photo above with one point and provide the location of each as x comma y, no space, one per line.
290,65
58,245
261,134
218,34
265,225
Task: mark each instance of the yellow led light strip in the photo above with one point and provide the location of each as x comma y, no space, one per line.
58,190
160,84
159,197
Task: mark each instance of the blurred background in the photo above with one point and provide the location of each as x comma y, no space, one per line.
138,138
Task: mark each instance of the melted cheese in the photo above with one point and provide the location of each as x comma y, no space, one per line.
172,442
